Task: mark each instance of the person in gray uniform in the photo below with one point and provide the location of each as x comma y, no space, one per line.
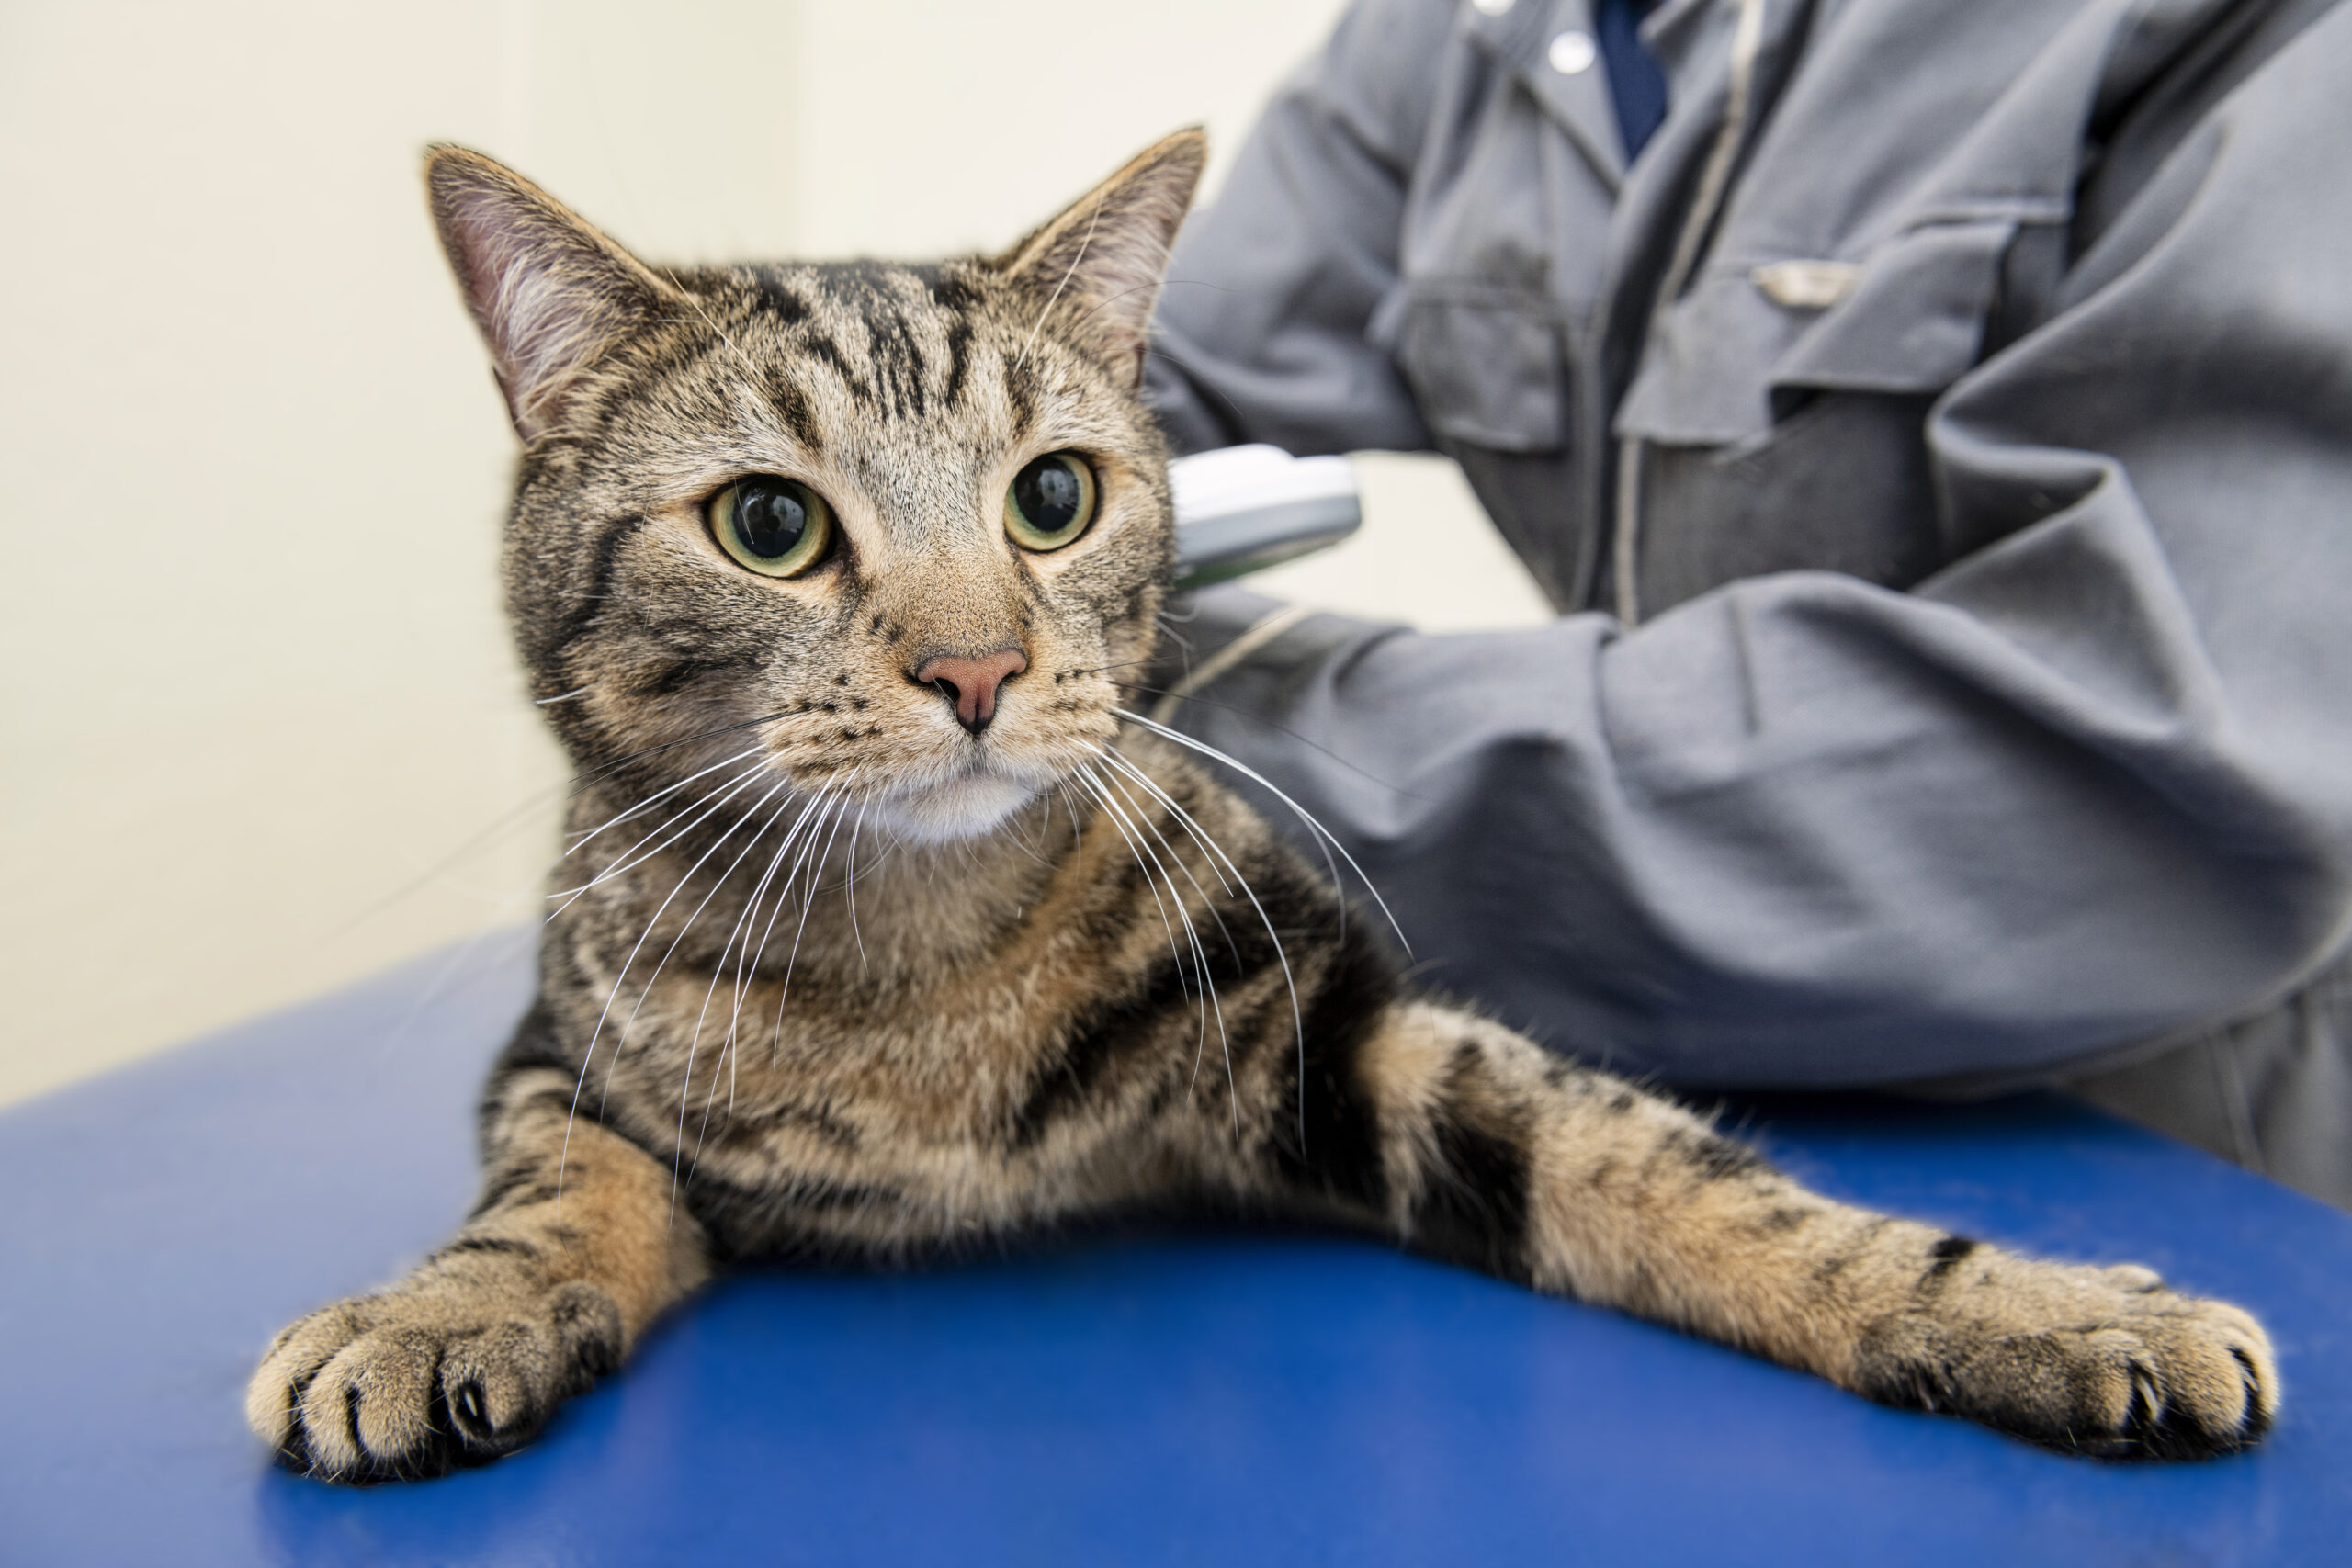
1935,433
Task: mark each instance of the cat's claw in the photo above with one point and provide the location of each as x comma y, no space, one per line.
414,1383
2105,1362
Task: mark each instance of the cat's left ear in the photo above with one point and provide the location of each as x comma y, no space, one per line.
1097,268
550,294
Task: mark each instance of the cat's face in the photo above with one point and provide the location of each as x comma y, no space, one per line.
896,531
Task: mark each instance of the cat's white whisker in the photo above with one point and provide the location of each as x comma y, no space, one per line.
726,1052
1044,827
1297,1018
1143,819
748,964
669,835
740,855
584,781
647,835
1032,846
1208,979
584,840
588,1056
1124,766
1125,770
1213,853
1315,829
695,1040
1323,835
718,968
1205,987
621,1044
497,828
1134,849
808,901
850,886
817,876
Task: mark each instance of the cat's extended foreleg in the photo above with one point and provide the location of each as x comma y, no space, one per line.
1484,1149
540,1292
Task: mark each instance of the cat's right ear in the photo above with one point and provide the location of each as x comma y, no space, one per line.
1100,262
549,293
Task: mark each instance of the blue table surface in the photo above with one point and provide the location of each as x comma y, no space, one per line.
1178,1396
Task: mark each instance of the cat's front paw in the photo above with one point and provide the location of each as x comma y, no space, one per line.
419,1381
2103,1361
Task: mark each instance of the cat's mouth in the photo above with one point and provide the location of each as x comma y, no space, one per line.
964,803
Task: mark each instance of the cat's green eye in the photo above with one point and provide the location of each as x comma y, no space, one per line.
1050,502
777,527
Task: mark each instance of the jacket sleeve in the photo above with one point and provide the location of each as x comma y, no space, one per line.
2088,785
1261,332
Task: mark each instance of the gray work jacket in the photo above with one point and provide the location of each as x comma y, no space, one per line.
1938,445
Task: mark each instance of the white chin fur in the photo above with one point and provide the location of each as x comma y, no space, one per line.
962,808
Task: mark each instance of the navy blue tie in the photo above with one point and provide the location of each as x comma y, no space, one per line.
1636,85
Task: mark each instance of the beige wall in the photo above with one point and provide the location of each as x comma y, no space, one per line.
259,731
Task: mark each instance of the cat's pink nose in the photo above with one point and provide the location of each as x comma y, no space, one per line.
971,683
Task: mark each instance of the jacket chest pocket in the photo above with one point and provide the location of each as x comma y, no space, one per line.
1506,235
1485,366
1784,407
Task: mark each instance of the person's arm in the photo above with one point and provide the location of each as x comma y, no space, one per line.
1260,333
2091,784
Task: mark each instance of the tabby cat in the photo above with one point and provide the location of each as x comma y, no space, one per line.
887,926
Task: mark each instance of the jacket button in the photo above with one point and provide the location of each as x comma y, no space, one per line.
1572,53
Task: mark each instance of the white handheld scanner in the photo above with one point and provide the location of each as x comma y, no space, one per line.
1242,509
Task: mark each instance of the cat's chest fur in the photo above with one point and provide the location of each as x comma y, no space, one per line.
910,1039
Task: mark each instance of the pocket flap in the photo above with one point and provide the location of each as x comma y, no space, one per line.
1705,380
1910,320
1915,318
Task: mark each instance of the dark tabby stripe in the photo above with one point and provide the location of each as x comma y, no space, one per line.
1325,1134
1125,1028
1473,1204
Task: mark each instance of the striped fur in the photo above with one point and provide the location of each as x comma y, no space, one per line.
834,978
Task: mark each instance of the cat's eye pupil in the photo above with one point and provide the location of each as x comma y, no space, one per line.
778,527
1049,494
770,518
1050,502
